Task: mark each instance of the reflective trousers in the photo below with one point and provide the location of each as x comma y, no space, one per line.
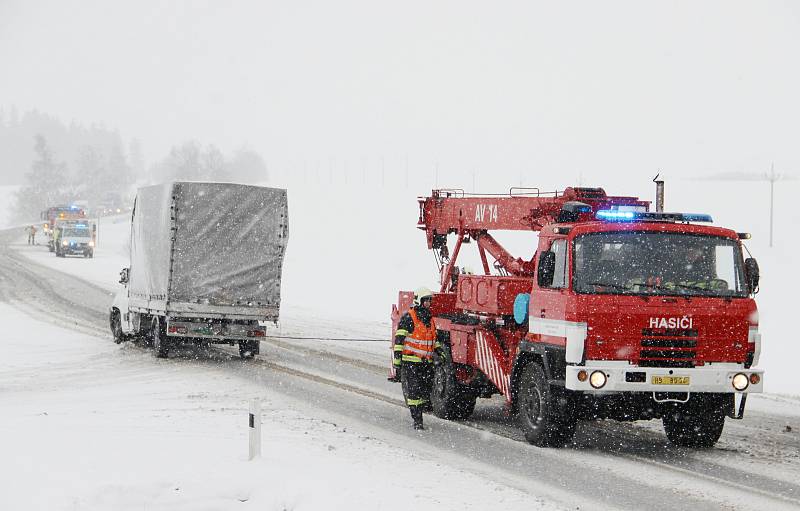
417,384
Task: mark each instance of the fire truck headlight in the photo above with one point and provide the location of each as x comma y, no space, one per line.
598,379
64,243
740,381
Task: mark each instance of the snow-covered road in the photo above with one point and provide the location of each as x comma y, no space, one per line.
336,433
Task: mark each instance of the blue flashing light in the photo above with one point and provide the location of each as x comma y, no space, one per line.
610,214
81,225
73,207
614,215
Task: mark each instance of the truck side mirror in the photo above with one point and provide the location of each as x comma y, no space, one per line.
547,266
751,274
123,276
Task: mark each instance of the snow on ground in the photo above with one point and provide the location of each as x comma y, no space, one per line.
89,426
110,254
775,404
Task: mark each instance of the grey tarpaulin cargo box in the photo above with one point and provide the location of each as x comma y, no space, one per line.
208,250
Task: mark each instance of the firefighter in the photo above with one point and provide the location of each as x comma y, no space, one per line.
416,350
31,235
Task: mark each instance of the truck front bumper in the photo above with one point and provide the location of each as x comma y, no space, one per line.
73,249
624,377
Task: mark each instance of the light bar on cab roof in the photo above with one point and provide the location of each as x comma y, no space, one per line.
613,215
609,214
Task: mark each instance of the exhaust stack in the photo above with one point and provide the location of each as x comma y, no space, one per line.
659,194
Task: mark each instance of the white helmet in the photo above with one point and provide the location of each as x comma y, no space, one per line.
422,293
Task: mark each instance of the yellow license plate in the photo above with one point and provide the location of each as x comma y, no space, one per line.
670,380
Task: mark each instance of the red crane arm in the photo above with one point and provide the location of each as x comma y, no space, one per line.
447,211
451,211
513,265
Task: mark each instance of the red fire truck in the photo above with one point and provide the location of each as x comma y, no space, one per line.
621,313
59,213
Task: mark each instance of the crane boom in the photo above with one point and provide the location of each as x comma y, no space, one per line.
448,211
451,211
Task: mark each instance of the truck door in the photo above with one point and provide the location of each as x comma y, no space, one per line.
548,304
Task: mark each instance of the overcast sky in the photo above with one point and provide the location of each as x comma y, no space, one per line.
544,90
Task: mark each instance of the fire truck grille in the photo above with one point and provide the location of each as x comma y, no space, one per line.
668,348
668,343
669,332
666,363
667,354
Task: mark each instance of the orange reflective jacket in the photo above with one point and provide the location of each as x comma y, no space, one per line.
420,343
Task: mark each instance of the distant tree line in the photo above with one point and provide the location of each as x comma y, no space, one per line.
190,161
59,164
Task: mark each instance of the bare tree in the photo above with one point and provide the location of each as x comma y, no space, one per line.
182,163
214,165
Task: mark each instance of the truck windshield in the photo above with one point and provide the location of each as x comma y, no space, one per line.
77,233
658,263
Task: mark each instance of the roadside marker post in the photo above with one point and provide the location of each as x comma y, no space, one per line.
255,429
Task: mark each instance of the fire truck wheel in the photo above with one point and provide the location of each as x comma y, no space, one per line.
160,341
538,415
449,399
116,328
695,430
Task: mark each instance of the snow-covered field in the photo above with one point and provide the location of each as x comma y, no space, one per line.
87,425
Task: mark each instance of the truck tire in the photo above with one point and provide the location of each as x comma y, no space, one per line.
116,328
249,349
542,422
698,429
161,343
449,399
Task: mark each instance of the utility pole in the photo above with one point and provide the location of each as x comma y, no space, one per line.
770,176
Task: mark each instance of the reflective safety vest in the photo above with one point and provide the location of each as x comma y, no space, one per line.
420,343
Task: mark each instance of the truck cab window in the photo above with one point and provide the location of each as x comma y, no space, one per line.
658,263
559,248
